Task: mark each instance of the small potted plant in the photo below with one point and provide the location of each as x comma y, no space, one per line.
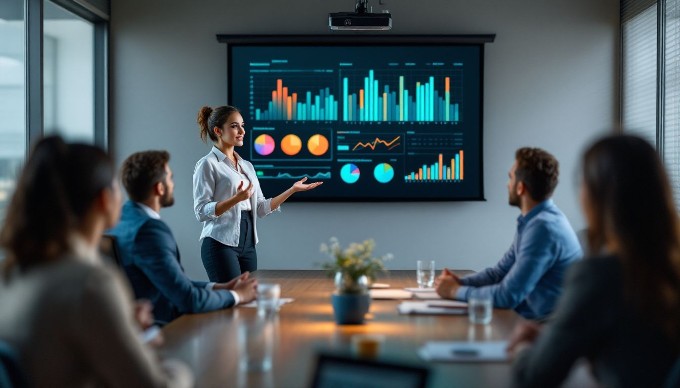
353,269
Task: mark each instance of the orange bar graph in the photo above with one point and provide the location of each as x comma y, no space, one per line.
461,164
361,98
447,84
279,94
441,164
284,100
420,174
289,108
294,104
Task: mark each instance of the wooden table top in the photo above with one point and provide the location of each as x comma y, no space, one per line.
209,342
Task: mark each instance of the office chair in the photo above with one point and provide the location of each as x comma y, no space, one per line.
108,248
11,375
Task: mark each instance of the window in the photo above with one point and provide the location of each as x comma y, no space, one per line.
53,57
68,74
12,97
650,103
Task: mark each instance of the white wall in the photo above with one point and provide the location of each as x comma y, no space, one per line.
551,80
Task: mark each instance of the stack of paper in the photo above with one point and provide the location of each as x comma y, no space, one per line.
442,307
390,293
282,301
462,351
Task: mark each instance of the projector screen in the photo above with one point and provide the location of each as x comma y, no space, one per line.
375,119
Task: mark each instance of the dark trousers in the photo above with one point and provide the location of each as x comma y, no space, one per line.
222,262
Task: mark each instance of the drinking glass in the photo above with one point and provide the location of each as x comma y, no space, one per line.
425,273
256,345
268,299
480,309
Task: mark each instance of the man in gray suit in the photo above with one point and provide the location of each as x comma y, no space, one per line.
149,252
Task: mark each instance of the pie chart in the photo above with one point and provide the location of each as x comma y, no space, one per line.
317,145
350,173
264,145
383,173
291,144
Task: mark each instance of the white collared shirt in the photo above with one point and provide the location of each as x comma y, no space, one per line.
216,179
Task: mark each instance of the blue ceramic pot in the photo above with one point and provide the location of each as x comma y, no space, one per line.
350,309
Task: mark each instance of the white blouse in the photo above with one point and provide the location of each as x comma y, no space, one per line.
216,179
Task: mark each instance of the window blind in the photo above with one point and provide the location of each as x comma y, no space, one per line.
671,98
639,67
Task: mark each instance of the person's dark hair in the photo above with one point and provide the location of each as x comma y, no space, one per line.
141,171
209,118
631,207
538,170
54,193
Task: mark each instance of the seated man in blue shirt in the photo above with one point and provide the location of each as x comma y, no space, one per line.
529,277
148,250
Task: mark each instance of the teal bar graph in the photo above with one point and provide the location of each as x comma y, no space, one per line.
377,101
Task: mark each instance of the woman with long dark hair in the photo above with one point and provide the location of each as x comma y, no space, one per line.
621,306
67,315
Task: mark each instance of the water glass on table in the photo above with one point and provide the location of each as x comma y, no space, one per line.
480,309
425,273
268,296
256,344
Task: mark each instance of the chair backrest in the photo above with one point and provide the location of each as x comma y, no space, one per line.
11,375
673,378
108,248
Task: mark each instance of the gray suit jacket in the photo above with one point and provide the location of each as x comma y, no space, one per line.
593,320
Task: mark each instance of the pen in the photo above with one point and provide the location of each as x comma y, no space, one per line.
446,306
465,352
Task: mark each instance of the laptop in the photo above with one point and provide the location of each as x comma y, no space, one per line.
340,371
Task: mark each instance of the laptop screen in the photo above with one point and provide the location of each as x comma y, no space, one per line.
335,371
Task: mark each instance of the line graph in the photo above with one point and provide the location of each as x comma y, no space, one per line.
388,144
371,143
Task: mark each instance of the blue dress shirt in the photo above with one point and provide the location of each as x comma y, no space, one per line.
529,276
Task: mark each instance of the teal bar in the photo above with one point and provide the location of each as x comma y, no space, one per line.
345,94
455,111
457,177
436,171
406,104
366,94
426,100
309,105
431,94
257,114
343,147
377,109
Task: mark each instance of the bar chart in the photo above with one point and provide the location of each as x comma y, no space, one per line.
287,104
451,170
396,97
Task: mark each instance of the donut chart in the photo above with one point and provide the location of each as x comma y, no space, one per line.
317,145
350,173
264,145
291,144
383,173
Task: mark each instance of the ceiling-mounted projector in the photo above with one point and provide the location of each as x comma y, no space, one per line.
361,19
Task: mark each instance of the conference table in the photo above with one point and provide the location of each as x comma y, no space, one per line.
209,342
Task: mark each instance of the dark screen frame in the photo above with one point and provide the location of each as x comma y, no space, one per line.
480,40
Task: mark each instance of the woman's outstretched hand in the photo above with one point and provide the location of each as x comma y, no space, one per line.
302,186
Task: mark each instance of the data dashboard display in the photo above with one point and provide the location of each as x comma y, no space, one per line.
372,122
